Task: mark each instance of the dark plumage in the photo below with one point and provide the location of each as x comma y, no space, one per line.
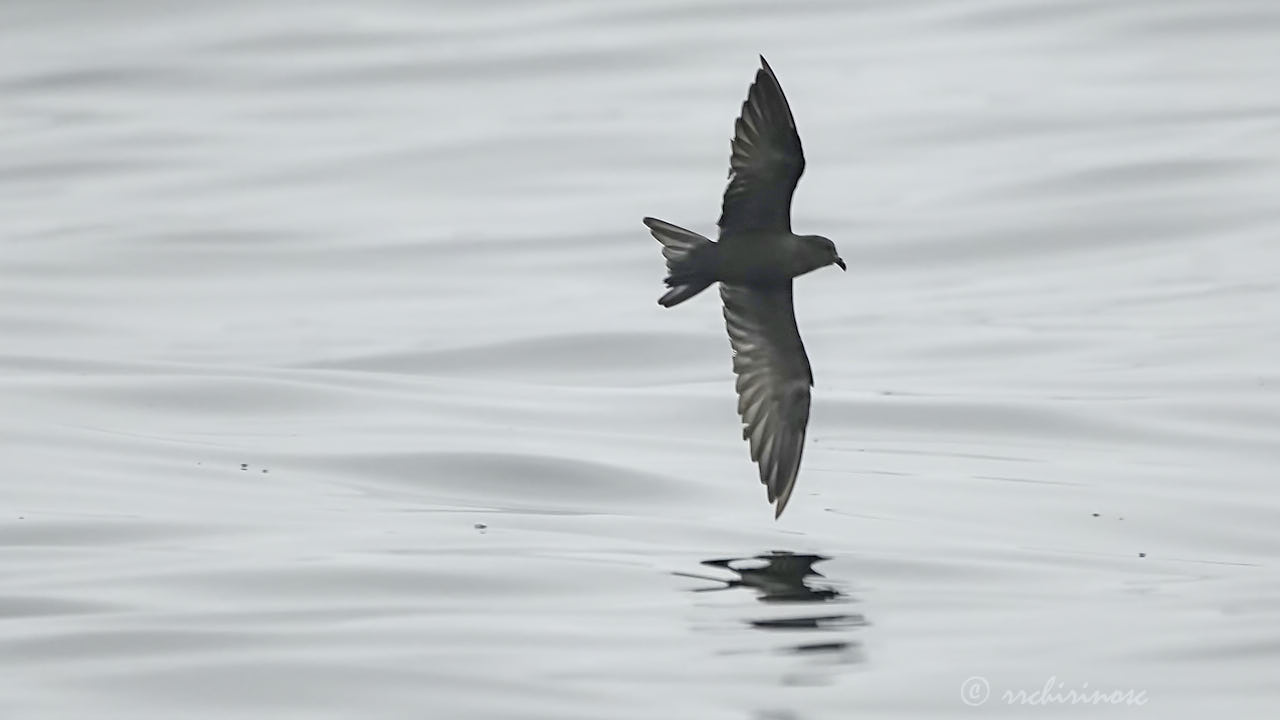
755,260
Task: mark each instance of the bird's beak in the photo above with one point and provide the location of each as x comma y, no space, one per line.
841,264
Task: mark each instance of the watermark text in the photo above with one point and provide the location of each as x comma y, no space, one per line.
976,691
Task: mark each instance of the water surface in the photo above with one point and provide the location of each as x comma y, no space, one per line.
334,384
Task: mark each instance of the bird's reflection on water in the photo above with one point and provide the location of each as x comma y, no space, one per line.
778,577
786,578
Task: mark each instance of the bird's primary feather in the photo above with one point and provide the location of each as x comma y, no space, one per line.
766,160
773,383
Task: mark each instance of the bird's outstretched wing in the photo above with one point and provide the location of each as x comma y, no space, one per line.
773,381
766,160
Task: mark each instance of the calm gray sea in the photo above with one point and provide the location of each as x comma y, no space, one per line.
333,385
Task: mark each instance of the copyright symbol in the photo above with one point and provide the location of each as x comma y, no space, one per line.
975,691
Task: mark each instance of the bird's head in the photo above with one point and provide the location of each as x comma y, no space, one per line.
819,252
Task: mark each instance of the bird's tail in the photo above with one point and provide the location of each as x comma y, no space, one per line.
690,269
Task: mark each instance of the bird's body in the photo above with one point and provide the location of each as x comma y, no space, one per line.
767,258
755,261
